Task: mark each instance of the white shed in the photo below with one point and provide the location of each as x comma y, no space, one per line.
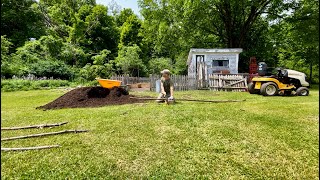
202,62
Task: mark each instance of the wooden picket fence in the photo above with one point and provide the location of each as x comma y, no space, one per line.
126,79
228,82
215,82
180,82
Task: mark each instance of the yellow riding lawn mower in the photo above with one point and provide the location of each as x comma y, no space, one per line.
277,81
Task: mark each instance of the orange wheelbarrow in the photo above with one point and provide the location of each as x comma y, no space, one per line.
108,83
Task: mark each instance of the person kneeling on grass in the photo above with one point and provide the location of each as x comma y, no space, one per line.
166,87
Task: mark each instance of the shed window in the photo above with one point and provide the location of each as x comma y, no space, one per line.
221,63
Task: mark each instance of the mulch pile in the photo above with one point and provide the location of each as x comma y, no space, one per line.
91,97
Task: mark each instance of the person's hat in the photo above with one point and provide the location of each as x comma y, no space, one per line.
165,71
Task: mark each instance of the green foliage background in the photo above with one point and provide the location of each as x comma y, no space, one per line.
80,40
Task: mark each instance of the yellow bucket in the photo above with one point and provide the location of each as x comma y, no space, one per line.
108,83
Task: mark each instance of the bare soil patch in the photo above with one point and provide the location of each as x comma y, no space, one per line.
91,97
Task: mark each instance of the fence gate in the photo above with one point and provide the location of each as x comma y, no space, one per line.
227,82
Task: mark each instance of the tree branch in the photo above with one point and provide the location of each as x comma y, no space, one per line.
254,13
207,30
279,16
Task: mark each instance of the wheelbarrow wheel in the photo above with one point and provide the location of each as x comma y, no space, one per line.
125,92
121,91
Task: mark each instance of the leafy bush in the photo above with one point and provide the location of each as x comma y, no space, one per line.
100,68
5,45
180,66
129,61
90,72
9,64
55,69
52,48
51,45
13,68
47,47
83,82
24,85
31,52
74,55
101,58
158,64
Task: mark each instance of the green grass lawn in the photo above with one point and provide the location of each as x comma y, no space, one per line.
261,138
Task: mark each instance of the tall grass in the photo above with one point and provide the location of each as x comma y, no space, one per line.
24,85
9,85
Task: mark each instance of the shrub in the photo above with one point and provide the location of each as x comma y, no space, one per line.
5,45
101,68
90,72
55,69
13,67
101,58
129,61
74,55
24,85
158,64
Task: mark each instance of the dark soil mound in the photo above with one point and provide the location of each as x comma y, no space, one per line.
91,97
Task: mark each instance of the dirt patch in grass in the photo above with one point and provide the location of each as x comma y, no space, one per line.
139,85
91,97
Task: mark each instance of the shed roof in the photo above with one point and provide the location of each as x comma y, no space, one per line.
213,51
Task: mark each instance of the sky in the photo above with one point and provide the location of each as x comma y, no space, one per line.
133,4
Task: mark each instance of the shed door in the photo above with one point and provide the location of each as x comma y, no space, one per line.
201,71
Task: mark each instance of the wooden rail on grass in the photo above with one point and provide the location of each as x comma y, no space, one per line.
194,100
34,126
43,134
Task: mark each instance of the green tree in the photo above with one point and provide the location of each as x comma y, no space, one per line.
81,23
5,45
180,66
74,55
123,16
296,39
156,65
46,48
230,20
162,28
101,58
6,68
21,20
172,27
305,32
101,67
130,32
55,69
31,52
129,61
101,31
